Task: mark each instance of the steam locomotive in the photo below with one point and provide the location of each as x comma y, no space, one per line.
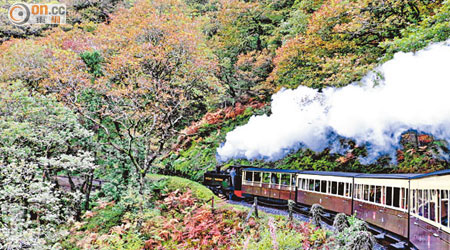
227,183
411,207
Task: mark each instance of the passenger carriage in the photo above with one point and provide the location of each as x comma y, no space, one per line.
332,190
382,200
429,227
412,206
275,184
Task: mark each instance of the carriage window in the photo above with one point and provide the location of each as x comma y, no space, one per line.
420,202
361,191
257,177
340,188
372,193
285,179
444,207
433,199
348,190
266,177
396,197
334,187
274,178
317,185
305,184
311,185
426,204
248,176
366,192
323,186
413,202
358,191
404,196
377,194
389,196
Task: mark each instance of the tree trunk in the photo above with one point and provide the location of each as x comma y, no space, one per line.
141,182
90,179
72,185
125,174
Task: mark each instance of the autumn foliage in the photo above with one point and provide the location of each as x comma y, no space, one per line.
190,225
221,115
178,220
129,88
341,43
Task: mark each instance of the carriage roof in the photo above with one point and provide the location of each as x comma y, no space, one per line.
351,174
288,171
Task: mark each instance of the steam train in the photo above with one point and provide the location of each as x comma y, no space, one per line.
411,207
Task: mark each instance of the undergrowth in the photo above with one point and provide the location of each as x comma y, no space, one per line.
177,214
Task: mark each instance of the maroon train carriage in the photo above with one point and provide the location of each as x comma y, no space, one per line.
269,183
382,200
332,190
412,206
429,209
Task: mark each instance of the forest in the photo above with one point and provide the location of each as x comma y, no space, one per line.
140,94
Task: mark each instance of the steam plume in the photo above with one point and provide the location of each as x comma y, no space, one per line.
411,91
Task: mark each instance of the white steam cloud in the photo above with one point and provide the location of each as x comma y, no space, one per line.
413,92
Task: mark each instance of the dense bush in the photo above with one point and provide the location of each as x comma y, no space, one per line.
176,215
195,152
278,234
78,11
40,139
351,233
31,208
434,28
341,42
179,216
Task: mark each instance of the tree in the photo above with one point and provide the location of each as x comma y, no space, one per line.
31,207
240,38
38,130
343,41
40,140
149,75
88,12
433,28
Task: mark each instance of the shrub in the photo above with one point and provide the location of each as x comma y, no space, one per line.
361,241
350,233
93,61
316,214
340,222
31,208
274,236
104,220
